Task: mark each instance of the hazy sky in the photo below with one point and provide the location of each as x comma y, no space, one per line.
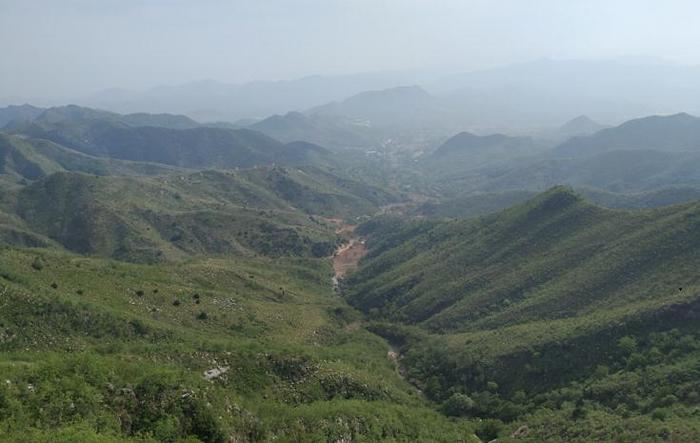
63,47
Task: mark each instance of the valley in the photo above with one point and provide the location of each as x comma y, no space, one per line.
166,280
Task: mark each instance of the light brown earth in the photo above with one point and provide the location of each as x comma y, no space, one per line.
348,255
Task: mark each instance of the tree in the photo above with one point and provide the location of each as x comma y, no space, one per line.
458,405
627,345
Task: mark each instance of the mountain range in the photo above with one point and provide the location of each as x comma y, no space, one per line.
347,274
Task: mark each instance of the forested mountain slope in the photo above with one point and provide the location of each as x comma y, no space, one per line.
267,211
556,256
548,302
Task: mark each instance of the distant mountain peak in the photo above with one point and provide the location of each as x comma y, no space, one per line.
676,132
467,141
581,125
581,119
398,92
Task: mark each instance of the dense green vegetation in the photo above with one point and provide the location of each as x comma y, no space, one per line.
103,350
161,280
574,320
271,211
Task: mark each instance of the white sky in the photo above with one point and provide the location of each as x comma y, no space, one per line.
56,47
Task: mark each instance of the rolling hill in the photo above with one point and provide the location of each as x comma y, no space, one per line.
162,280
17,117
331,131
268,211
642,155
211,350
466,151
164,139
24,160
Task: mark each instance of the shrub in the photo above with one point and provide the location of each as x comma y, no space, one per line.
38,263
488,430
627,345
458,405
659,414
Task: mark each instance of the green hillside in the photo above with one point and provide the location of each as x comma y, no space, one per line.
467,151
161,282
542,311
24,159
166,139
269,211
98,350
16,117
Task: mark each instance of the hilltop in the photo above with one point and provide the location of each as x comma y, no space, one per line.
332,131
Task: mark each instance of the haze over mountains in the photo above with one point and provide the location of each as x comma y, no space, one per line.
476,221
501,296
503,97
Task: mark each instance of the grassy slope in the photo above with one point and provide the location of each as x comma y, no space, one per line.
86,352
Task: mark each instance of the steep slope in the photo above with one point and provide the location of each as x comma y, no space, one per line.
540,260
555,313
